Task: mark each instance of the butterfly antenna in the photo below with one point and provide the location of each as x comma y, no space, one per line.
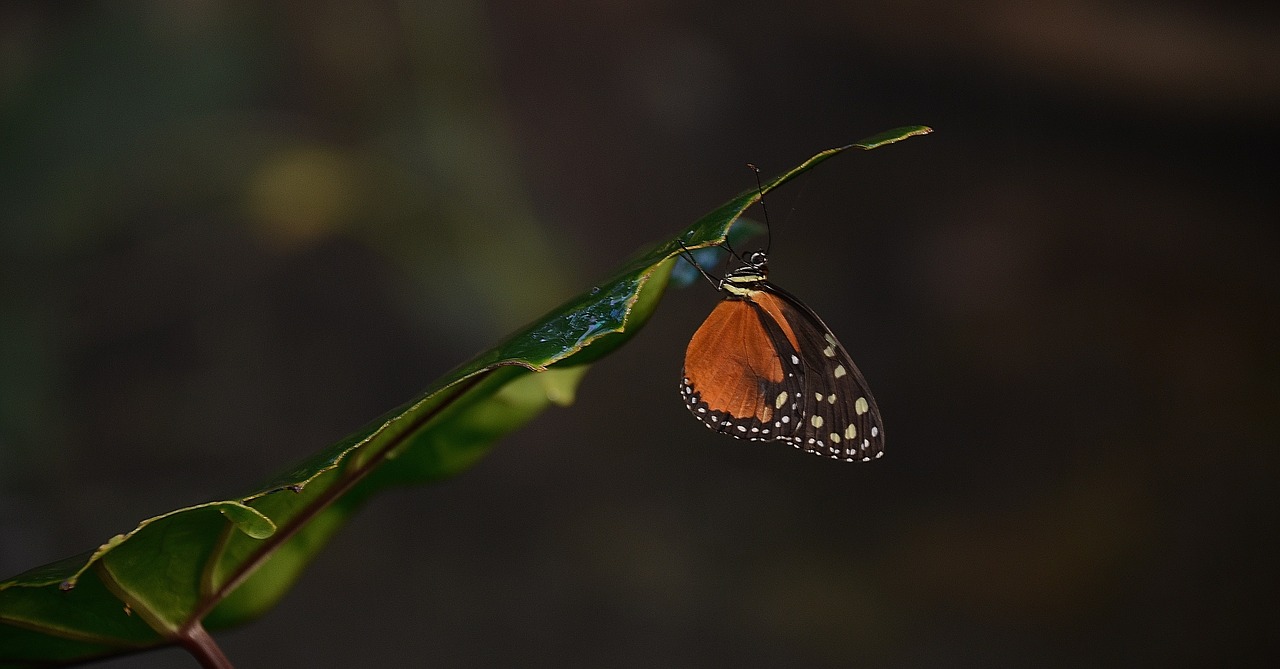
729,247
768,231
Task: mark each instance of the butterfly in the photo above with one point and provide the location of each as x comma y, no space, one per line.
764,367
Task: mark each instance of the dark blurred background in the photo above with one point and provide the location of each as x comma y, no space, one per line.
234,232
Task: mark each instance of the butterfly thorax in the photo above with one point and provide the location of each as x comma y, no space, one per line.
747,280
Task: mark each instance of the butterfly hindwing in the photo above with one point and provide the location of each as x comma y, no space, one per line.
838,415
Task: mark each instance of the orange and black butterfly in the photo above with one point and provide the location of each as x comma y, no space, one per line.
764,367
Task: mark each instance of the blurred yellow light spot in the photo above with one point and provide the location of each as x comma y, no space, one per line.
302,194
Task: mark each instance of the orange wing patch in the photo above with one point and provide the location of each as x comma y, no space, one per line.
727,356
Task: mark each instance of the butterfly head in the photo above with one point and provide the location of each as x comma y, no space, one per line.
758,259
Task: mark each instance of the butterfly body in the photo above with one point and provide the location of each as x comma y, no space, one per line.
764,367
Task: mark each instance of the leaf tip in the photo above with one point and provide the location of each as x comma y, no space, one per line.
890,136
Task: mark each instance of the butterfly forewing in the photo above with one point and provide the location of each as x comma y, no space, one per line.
733,380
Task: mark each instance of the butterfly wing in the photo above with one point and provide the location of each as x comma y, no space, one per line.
734,380
838,416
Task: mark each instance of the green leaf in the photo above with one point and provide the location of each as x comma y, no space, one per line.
224,562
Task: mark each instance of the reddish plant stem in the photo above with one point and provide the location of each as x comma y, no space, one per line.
202,646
